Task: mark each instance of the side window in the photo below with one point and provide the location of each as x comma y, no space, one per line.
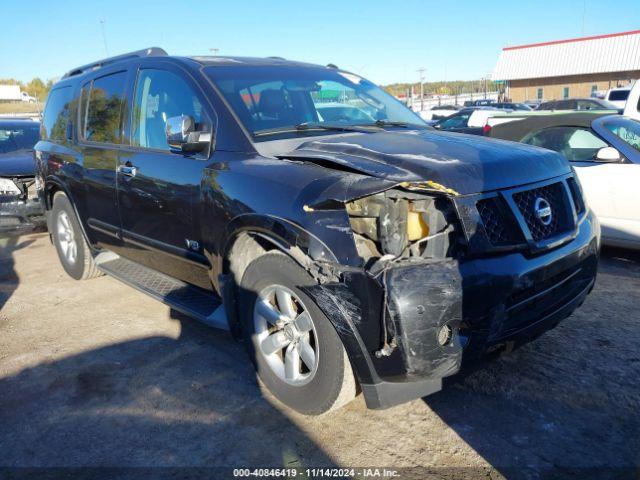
455,121
102,120
576,144
539,94
565,92
161,94
57,114
587,105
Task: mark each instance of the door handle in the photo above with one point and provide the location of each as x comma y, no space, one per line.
128,170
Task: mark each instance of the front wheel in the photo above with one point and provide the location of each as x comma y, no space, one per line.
297,352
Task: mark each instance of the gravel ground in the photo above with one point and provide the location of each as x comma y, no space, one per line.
96,374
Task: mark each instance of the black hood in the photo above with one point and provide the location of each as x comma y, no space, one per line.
17,164
465,163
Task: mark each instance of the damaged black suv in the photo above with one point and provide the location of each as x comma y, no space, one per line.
352,247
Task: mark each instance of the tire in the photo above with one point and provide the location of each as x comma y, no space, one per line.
311,390
68,237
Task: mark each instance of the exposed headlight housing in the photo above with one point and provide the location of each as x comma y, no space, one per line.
402,224
8,187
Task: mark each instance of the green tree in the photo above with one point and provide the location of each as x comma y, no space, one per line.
37,88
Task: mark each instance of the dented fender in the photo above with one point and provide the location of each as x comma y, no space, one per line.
407,306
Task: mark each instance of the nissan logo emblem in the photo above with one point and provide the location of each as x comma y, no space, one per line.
543,211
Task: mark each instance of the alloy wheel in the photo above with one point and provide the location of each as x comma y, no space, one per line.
286,335
66,238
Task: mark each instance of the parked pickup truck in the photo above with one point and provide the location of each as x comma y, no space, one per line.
377,256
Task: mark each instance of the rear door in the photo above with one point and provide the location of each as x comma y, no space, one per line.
102,108
158,190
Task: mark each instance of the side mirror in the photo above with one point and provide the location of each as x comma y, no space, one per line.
608,155
182,137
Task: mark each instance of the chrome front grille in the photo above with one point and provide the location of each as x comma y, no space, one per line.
555,195
538,214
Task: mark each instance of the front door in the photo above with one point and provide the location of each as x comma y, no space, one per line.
158,190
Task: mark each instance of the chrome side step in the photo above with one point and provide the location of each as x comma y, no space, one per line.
193,301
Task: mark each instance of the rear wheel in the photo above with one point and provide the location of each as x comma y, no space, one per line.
297,352
73,251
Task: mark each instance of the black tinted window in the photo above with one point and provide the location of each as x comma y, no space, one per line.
455,121
18,136
106,102
619,95
57,114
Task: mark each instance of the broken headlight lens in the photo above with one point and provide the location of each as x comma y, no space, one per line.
8,187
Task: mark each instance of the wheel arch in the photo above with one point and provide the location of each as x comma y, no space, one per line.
248,236
251,240
53,186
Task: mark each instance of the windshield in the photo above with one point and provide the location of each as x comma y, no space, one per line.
626,129
291,100
18,137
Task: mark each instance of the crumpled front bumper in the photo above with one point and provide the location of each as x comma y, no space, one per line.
18,214
489,304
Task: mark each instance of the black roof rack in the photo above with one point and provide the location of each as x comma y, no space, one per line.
147,52
274,57
331,65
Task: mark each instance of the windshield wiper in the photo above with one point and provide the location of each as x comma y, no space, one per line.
334,126
304,126
390,123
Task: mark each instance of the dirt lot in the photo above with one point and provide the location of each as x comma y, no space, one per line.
96,374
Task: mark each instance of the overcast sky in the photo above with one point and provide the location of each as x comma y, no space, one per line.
386,41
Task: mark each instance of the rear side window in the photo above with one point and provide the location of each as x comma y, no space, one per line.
103,116
57,114
619,95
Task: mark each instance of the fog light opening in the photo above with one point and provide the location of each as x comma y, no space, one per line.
445,335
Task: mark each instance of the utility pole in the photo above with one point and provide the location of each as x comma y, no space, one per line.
421,72
214,51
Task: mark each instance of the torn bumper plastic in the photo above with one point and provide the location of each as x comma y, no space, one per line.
484,303
18,214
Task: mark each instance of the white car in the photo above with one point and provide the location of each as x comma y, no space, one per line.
604,149
25,97
632,107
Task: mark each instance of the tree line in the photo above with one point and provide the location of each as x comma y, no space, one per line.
36,87
454,87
